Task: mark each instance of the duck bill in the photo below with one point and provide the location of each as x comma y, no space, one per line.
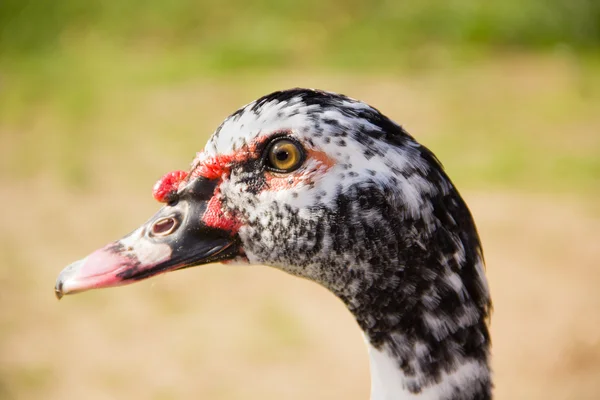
174,238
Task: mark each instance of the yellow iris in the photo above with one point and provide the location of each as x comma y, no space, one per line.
285,155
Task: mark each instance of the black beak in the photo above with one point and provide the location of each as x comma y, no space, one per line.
174,238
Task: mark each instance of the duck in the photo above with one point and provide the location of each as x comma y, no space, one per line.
327,188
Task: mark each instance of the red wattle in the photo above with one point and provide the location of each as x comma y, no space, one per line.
214,217
167,186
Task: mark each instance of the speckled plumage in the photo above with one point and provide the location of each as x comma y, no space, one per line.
380,225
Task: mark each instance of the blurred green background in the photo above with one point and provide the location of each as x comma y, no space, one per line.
72,59
99,98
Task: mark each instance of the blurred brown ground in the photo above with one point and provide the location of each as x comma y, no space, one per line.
223,332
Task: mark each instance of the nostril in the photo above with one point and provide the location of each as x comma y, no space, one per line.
164,226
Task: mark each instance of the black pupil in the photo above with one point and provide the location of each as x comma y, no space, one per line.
282,155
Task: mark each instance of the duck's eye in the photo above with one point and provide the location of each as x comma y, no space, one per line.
285,155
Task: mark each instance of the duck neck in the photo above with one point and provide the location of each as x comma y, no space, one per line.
425,323
426,341
419,293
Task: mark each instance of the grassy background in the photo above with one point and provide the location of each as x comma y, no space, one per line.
99,98
78,62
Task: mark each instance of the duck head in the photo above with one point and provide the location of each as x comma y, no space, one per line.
327,188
